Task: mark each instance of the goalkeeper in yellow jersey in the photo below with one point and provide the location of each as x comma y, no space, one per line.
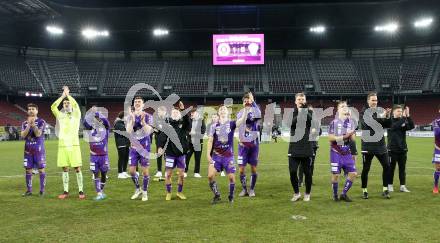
69,153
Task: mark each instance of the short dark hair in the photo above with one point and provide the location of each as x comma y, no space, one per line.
395,107
121,115
32,105
139,98
66,99
371,94
300,94
341,102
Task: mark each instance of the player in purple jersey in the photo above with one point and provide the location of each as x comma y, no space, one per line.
97,136
436,156
221,142
34,152
248,147
341,132
174,154
139,125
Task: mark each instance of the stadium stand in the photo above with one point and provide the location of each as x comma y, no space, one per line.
10,114
16,74
237,78
65,73
188,76
344,76
121,76
192,76
288,75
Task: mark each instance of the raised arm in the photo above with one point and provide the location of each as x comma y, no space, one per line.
88,119
76,111
410,124
256,110
25,130
147,122
54,106
243,116
333,138
39,129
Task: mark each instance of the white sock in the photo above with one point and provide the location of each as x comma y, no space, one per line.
65,177
79,180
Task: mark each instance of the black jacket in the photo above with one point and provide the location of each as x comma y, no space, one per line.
191,138
302,147
120,140
397,134
158,124
181,127
378,147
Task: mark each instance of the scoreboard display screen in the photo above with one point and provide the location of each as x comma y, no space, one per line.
238,49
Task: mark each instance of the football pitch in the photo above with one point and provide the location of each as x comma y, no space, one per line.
269,217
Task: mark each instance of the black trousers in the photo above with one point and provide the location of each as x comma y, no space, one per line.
159,163
197,158
367,158
400,159
123,153
306,163
312,168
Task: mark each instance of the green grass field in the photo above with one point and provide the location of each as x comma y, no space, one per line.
411,217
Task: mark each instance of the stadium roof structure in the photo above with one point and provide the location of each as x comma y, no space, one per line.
25,10
349,24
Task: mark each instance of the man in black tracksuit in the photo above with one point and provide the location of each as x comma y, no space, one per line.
378,149
300,148
123,146
397,148
175,157
194,135
315,147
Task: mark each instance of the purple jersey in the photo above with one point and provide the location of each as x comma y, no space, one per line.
436,129
98,136
34,144
143,138
223,138
248,134
338,128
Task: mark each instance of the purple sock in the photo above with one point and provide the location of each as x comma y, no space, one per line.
231,189
29,182
168,188
347,186
135,179
335,189
180,188
97,184
243,181
102,186
253,180
42,181
145,183
436,176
